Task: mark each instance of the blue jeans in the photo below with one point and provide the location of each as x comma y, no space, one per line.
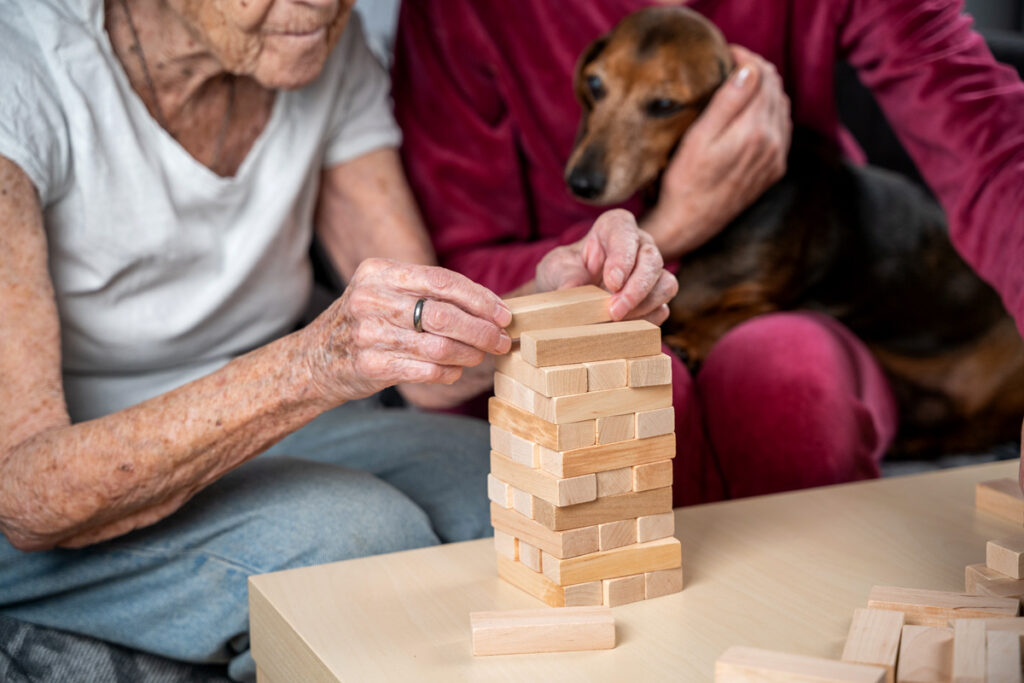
358,480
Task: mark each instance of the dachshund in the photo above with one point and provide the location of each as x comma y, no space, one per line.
863,245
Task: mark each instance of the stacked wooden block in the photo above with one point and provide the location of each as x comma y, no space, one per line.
582,439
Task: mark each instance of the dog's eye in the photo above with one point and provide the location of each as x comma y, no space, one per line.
663,106
595,86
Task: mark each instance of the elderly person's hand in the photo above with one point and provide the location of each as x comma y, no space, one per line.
727,159
366,340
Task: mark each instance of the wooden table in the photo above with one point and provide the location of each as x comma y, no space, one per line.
782,572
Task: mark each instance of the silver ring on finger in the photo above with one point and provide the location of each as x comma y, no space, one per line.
417,315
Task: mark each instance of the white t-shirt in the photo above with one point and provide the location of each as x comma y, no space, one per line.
164,270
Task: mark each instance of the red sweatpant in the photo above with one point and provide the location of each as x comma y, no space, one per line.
783,401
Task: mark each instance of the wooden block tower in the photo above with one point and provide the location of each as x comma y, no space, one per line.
582,441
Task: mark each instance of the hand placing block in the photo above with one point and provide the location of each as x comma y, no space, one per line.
590,343
1006,556
576,306
542,630
874,638
748,664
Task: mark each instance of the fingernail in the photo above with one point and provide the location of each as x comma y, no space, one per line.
618,309
502,315
504,342
741,77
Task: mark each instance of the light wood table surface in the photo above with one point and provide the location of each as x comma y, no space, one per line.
782,572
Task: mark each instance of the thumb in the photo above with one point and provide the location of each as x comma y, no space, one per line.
728,101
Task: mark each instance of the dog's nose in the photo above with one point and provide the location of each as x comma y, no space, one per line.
587,183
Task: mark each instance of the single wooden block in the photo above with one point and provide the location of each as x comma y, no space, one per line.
603,510
623,590
561,544
936,608
616,534
653,527
577,306
1001,497
613,456
529,555
523,503
595,404
926,655
556,380
649,371
663,582
969,651
980,580
531,582
615,428
1003,663
638,558
753,665
606,374
584,594
589,343
555,490
655,422
1015,624
652,476
515,447
506,544
499,492
874,638
1006,556
519,395
566,629
560,437
614,482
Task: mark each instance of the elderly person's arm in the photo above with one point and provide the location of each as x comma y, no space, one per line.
72,485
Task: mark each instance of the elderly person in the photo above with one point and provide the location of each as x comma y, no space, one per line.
483,92
163,164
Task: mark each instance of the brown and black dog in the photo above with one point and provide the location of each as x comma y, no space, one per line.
860,244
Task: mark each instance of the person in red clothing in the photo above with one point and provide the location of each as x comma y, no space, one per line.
483,93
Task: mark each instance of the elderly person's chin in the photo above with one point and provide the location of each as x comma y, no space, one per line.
291,61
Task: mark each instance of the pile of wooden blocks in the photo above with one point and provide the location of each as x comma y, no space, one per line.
582,439
1002,573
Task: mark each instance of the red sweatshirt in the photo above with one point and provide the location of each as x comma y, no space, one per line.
483,93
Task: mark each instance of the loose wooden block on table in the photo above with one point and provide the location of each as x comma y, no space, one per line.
969,651
616,534
664,553
542,630
753,665
615,428
555,490
556,437
874,638
653,527
606,374
1003,663
561,544
926,655
614,482
980,580
515,447
577,306
589,343
1001,497
595,404
649,371
613,456
623,590
655,422
603,510
652,476
663,582
1006,556
936,608
555,380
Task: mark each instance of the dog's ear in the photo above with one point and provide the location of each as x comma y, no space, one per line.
586,57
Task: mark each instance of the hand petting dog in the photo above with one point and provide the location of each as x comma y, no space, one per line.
727,159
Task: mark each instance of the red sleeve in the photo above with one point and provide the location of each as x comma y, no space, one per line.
960,115
476,202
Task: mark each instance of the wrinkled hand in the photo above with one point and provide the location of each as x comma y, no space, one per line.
617,255
365,341
734,152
